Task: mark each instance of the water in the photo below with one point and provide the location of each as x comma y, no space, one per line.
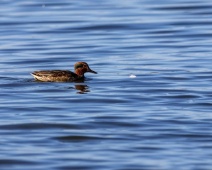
149,106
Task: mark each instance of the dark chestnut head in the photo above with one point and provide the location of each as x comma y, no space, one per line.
81,68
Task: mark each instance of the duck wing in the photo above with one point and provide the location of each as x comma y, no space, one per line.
55,75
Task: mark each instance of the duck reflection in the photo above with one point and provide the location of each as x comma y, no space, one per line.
82,88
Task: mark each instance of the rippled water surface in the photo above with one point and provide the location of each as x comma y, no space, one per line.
148,108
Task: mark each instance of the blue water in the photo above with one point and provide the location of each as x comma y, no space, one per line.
148,108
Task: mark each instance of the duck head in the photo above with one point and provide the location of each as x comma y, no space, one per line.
81,68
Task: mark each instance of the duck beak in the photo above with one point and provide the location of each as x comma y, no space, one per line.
91,71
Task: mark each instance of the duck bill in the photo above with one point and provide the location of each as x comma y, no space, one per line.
91,71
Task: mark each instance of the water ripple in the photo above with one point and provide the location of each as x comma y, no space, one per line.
156,119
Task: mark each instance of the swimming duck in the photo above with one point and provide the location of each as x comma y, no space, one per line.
63,75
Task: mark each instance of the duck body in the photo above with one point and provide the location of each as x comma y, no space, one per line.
63,75
55,76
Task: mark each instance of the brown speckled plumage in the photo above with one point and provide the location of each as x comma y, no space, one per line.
63,75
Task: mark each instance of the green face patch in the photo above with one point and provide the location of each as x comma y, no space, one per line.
78,66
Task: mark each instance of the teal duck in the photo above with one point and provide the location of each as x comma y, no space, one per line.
63,75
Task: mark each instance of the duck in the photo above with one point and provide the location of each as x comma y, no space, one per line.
80,68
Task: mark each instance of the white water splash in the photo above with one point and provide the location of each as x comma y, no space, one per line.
132,76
